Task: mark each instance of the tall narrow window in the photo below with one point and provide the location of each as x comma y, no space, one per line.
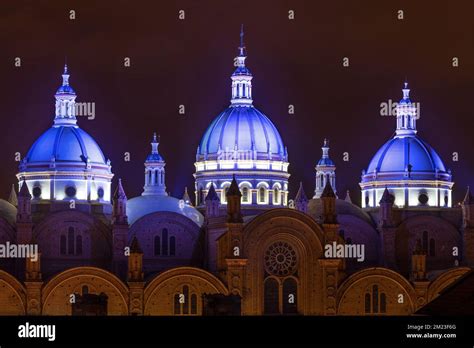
245,195
193,304
375,299
276,195
321,179
172,246
271,296
70,241
367,303
157,245
186,299
290,289
85,290
164,235
177,305
261,195
432,247
62,245
78,245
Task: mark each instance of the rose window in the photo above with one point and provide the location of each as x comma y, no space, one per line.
280,259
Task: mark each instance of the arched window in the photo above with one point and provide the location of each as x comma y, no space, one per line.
245,195
164,236
276,195
193,304
186,299
177,305
290,289
62,245
425,241
224,194
321,179
375,299
367,303
172,246
85,290
432,247
271,296
78,245
70,241
261,195
157,246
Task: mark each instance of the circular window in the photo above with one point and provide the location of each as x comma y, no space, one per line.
37,192
100,192
70,191
423,198
280,259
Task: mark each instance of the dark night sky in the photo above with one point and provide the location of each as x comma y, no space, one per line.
189,62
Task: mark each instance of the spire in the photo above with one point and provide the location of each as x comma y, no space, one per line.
301,201
328,191
468,198
328,198
13,198
186,197
234,213
234,188
135,246
120,205
241,78
24,191
65,102
24,204
211,194
154,170
407,114
348,197
325,148
387,197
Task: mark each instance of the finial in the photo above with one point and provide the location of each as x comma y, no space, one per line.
154,137
241,47
326,142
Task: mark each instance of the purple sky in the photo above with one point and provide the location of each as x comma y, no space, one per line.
189,62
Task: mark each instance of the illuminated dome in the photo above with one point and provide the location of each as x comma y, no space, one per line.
407,166
242,141
65,162
243,129
154,197
138,207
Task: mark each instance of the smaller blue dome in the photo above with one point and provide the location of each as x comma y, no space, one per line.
241,70
325,162
140,206
154,157
65,90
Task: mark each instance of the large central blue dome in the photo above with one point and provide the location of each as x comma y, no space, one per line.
244,129
410,152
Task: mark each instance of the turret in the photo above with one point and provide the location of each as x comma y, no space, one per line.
120,205
24,204
119,230
301,201
212,203
328,198
386,205
154,171
325,172
234,213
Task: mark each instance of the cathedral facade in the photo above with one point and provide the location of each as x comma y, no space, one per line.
244,247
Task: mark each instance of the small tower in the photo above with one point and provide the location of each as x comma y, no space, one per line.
325,172
386,206
13,198
468,228
119,230
154,171
234,213
212,203
186,198
348,197
328,198
120,205
301,201
406,114
135,262
24,204
65,102
241,78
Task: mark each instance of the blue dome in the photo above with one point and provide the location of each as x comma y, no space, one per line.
143,205
400,152
65,144
325,162
65,90
154,157
245,127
